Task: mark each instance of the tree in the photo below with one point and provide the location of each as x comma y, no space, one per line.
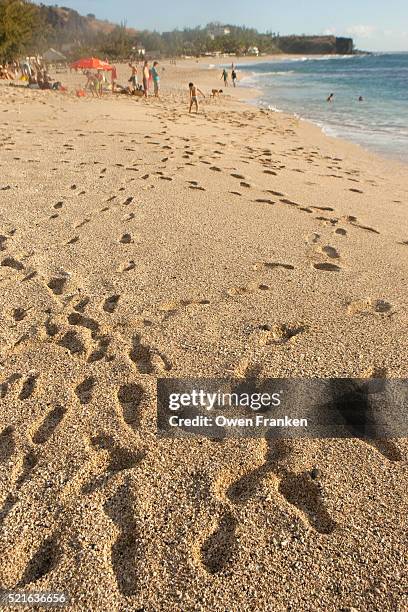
20,27
116,44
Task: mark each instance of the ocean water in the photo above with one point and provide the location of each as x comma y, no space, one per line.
301,86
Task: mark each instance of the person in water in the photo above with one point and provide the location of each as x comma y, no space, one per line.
331,97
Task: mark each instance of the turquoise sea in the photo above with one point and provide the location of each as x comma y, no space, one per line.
302,85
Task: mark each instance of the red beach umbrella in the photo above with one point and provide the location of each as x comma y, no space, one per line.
91,63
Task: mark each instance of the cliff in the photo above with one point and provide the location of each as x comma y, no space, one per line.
324,45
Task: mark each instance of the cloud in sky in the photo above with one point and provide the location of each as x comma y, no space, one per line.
362,31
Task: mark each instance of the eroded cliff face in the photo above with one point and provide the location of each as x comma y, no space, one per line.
316,44
344,46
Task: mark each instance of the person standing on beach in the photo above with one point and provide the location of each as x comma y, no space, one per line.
194,91
99,83
225,77
133,76
145,76
91,83
114,78
234,77
156,78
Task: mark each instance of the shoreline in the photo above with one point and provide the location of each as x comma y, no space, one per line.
255,93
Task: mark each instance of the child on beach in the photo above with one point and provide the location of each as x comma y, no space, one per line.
193,96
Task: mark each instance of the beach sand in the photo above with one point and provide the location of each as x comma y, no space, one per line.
138,241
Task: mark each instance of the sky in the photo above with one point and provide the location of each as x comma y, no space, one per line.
375,25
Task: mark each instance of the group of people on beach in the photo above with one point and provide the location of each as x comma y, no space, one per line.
32,72
148,75
96,80
35,74
225,76
8,71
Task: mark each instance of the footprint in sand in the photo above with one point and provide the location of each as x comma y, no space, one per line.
57,285
50,423
218,548
19,314
28,388
81,305
84,390
147,359
289,202
323,208
264,201
272,265
302,492
42,562
84,222
275,193
130,397
73,342
7,443
10,262
111,303
126,239
127,551
251,288
369,306
326,267
331,252
3,240
127,267
281,333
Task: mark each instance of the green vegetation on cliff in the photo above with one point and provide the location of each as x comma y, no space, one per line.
26,27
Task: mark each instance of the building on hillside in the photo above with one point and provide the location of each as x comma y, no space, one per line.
216,30
253,51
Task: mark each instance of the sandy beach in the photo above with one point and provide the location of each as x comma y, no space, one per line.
138,241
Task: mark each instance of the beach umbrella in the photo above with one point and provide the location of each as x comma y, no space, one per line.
91,63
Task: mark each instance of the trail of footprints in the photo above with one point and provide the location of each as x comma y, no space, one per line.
302,491
120,459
